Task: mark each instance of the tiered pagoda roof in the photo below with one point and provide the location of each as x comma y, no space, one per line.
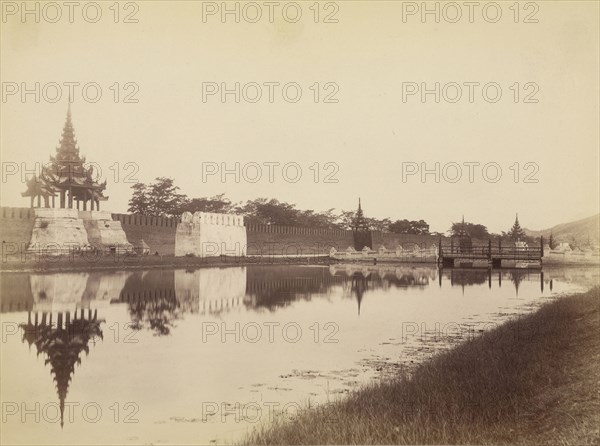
66,172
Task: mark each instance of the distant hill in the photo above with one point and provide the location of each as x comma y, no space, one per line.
579,231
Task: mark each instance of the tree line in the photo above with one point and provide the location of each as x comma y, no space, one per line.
162,198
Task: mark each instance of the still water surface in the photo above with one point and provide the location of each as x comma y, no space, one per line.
205,356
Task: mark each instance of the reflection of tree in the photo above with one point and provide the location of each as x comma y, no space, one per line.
157,311
62,345
407,280
152,301
468,277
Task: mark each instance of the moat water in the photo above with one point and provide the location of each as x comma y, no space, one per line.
205,356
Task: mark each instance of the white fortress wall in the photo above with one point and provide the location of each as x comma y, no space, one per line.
57,229
104,232
206,234
62,229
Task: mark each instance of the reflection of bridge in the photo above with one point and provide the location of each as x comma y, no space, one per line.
467,277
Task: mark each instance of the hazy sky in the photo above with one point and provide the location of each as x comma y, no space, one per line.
364,61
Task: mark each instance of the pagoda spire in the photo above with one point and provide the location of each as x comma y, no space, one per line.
359,222
67,149
516,232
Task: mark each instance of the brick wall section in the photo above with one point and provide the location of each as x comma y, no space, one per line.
391,240
16,226
293,240
157,232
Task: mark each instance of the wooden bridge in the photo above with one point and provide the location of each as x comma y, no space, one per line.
491,256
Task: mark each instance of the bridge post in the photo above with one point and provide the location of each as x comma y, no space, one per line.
541,246
490,249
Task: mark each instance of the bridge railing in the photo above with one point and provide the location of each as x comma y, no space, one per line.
494,252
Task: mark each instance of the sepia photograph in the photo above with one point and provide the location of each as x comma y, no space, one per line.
302,222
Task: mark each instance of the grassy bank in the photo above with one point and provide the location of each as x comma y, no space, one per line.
531,381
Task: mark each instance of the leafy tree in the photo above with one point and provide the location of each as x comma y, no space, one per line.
274,212
270,211
346,219
217,204
139,202
379,224
159,199
551,242
474,230
164,199
409,227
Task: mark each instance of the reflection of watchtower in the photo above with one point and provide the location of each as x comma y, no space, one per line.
62,343
358,287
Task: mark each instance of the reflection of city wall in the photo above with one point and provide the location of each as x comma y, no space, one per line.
212,289
219,289
191,289
54,291
59,291
15,293
206,289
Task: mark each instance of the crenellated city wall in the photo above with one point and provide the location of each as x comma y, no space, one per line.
161,234
274,240
157,232
206,234
16,226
